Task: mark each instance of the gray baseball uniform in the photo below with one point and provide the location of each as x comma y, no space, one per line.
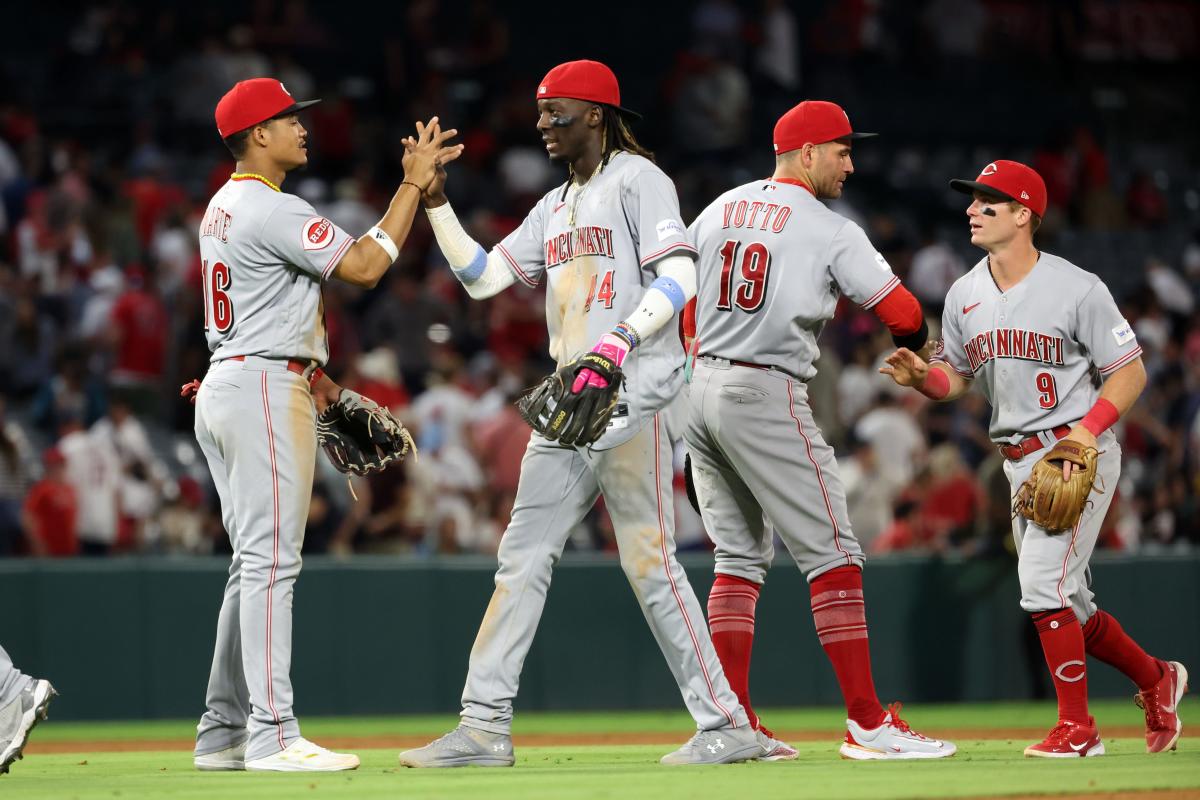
264,256
1038,352
773,263
626,218
12,680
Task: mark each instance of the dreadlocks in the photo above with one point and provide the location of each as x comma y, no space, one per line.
614,137
617,136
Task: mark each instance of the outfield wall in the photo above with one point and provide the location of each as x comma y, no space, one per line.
132,638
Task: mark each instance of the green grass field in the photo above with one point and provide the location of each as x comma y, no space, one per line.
81,760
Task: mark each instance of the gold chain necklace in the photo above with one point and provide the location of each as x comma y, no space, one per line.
252,176
579,190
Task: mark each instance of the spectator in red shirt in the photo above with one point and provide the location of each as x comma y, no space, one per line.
140,335
51,510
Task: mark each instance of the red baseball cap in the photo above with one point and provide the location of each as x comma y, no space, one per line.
253,101
815,121
584,80
1010,180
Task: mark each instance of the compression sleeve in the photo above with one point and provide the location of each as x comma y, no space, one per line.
482,274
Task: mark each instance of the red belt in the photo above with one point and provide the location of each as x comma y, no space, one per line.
1015,452
298,367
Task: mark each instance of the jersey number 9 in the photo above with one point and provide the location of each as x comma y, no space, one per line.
755,264
216,282
1047,391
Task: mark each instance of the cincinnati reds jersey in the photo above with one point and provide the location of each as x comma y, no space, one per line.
775,262
597,270
1038,350
264,255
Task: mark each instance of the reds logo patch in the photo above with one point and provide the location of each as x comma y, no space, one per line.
318,233
990,169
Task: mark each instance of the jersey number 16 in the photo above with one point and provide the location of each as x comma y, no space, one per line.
216,282
755,264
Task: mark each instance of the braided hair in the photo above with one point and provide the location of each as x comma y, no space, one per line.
615,136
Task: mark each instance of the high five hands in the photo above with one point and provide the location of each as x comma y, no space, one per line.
425,155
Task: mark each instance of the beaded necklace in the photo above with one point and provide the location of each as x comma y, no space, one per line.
252,176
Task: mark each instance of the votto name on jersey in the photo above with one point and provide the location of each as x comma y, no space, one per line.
1014,343
589,240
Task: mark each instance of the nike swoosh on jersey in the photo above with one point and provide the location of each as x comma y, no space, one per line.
557,208
970,308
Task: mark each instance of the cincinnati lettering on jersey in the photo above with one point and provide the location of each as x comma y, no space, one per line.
587,241
216,223
1014,343
744,214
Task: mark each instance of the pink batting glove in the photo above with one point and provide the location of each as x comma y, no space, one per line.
610,346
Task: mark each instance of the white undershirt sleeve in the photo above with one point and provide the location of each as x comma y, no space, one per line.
482,274
676,284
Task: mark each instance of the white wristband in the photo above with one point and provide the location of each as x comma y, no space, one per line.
381,238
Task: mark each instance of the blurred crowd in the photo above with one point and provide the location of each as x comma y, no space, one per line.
108,155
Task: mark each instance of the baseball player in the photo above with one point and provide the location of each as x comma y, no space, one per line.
264,256
24,701
614,255
773,262
1056,360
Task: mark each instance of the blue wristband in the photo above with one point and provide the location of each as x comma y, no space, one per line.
671,288
471,272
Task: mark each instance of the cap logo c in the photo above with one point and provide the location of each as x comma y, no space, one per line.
990,169
285,91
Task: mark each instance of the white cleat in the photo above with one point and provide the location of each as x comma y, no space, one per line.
227,760
720,746
893,739
304,756
775,749
20,717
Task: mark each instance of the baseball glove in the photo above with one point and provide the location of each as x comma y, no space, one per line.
359,436
1048,501
578,418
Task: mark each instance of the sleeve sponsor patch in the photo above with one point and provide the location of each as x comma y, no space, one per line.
669,229
317,233
1123,333
882,262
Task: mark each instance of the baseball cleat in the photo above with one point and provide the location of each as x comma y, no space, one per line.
304,756
1069,739
720,746
463,747
774,749
231,758
893,739
20,717
1161,704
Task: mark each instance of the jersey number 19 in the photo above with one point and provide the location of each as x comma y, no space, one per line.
755,264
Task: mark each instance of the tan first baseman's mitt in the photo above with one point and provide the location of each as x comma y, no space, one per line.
1048,501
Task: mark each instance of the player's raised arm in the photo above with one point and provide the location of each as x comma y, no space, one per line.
371,256
934,380
482,274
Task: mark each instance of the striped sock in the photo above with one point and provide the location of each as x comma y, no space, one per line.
1062,644
731,622
840,616
1107,641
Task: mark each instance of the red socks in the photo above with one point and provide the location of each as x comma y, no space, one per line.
1062,644
731,622
840,617
1106,640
